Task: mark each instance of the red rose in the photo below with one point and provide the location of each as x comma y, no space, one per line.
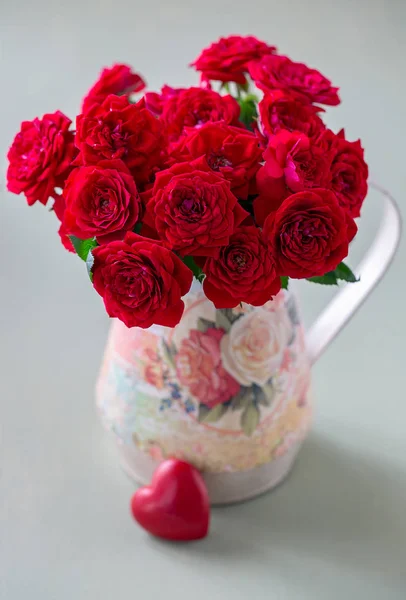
309,234
118,129
229,151
349,170
102,201
119,80
141,282
292,163
199,368
227,59
278,110
194,107
66,242
155,102
40,157
192,209
279,72
243,272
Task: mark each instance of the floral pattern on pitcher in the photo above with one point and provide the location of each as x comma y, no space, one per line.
226,390
232,362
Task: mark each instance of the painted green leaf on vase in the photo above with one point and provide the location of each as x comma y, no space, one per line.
250,419
211,415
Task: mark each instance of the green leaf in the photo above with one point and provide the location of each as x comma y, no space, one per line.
252,97
250,419
327,279
196,270
284,282
248,112
265,395
345,274
169,352
211,415
204,324
242,399
342,272
83,247
222,321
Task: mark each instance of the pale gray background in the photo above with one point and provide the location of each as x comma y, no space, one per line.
337,528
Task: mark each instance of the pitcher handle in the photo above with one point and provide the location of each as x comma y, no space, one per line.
371,270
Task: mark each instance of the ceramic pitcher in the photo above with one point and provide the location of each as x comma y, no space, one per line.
226,390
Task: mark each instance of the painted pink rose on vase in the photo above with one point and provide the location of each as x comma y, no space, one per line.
199,367
252,351
152,365
142,347
153,374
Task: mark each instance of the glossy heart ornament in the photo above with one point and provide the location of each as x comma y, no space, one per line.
176,504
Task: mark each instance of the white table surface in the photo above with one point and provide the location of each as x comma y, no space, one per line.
337,528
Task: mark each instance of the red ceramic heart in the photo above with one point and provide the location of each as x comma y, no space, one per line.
176,504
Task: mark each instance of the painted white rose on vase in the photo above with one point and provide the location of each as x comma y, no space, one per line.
252,351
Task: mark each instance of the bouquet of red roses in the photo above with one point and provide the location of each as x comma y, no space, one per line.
239,187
